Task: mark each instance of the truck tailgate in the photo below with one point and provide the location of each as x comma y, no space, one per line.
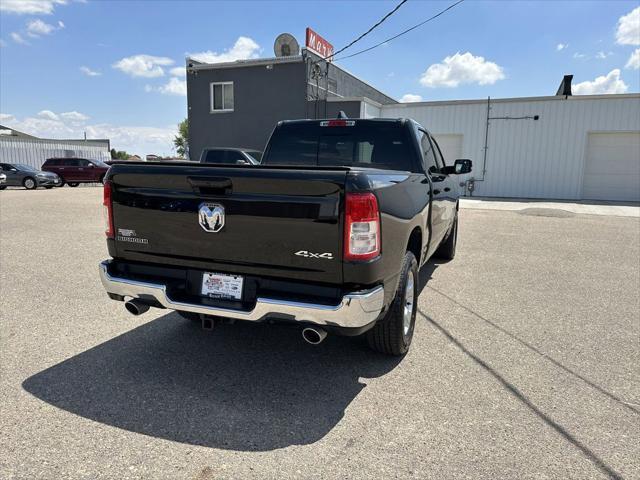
249,220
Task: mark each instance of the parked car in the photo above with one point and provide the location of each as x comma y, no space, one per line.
231,156
20,175
75,171
328,232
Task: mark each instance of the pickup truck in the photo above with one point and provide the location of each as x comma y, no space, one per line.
328,232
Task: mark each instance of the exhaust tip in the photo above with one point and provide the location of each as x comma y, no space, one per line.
136,307
314,336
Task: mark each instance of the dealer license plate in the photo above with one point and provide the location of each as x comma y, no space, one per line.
220,285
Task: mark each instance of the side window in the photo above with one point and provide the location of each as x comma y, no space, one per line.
69,162
216,156
83,163
428,157
233,156
438,152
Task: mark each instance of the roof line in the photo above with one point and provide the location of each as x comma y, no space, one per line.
608,96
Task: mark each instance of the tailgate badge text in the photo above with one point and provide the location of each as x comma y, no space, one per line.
307,254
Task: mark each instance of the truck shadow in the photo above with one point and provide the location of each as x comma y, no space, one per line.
243,387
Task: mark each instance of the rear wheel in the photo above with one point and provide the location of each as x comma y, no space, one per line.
29,183
73,184
49,188
447,249
393,333
61,183
2,187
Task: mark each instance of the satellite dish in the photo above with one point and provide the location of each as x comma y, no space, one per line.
286,45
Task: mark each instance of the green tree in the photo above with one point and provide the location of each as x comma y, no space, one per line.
181,141
119,155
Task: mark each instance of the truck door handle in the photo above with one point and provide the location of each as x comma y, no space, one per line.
211,185
447,189
436,192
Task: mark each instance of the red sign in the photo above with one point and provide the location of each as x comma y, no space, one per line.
318,45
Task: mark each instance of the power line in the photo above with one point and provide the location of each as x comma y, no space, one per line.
370,30
401,33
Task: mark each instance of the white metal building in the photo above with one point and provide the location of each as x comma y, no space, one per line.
579,147
34,151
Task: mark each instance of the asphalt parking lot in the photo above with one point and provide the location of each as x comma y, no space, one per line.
525,364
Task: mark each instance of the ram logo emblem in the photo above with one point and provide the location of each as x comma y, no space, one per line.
211,217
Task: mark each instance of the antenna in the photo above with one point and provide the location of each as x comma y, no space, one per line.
286,45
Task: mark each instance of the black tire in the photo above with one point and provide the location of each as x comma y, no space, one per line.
447,249
30,183
49,188
73,184
61,184
102,179
391,335
2,187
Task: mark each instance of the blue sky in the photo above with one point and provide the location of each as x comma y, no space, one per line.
107,67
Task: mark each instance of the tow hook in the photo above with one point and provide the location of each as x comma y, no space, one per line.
207,323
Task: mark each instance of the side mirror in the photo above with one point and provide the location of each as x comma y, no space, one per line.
459,167
462,165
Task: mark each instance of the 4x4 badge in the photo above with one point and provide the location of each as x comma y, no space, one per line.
306,254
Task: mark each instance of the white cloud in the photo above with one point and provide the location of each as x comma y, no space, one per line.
628,32
47,114
174,86
579,55
61,24
74,116
410,97
16,37
7,117
561,46
35,28
89,73
611,83
243,49
602,55
133,139
146,66
634,60
178,71
30,7
461,69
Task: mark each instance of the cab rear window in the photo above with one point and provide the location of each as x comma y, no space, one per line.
382,145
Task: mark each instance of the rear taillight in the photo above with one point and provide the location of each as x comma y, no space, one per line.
361,227
107,209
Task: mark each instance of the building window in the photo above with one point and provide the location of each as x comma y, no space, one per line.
221,97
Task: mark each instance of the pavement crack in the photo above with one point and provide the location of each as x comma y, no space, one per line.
628,406
597,461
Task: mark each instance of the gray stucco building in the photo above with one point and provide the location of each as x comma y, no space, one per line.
237,104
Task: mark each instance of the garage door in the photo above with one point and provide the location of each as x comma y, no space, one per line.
451,146
612,169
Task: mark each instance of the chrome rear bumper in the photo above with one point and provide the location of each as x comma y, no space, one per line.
355,310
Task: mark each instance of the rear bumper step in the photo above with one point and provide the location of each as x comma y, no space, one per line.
355,310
